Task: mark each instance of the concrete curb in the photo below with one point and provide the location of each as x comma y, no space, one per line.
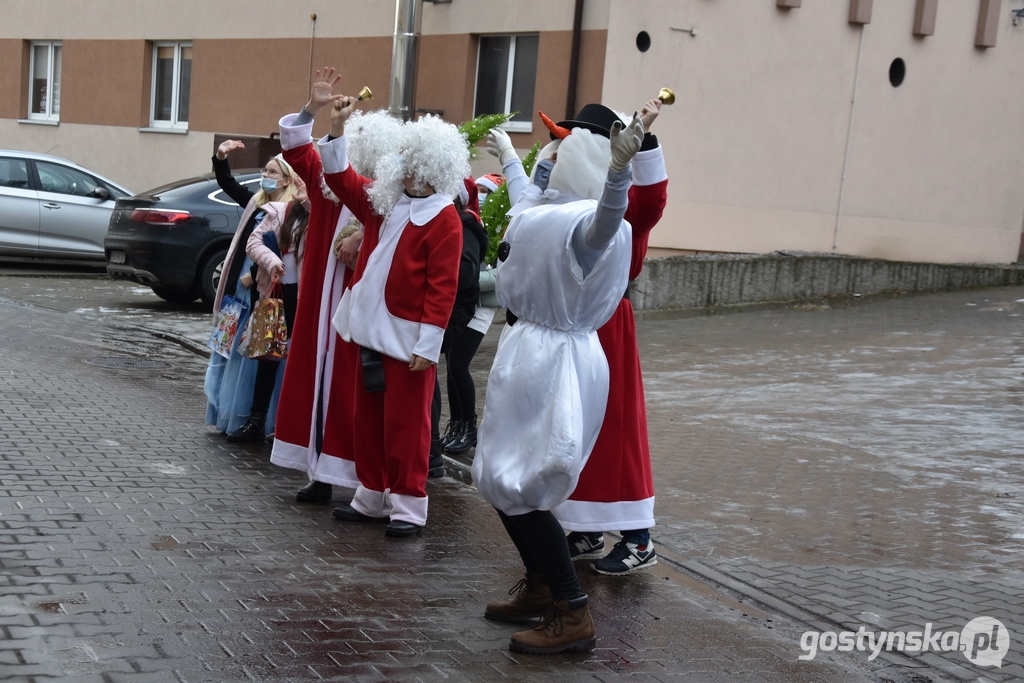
705,280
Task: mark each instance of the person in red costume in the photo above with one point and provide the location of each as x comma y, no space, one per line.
396,307
315,414
616,489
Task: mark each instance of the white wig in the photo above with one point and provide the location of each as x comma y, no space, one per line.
371,137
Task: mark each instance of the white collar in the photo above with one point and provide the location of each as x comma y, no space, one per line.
422,210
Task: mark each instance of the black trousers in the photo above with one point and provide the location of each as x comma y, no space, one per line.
458,352
541,544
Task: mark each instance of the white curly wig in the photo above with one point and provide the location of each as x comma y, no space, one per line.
371,136
433,154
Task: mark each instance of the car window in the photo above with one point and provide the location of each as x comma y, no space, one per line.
13,173
65,180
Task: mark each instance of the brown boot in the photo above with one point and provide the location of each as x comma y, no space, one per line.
566,628
531,598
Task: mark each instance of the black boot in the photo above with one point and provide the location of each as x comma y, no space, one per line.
451,433
436,466
465,440
314,492
254,429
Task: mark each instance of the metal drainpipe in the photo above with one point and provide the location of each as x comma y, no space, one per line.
574,61
403,60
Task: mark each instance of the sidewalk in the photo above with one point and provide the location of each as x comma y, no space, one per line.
819,468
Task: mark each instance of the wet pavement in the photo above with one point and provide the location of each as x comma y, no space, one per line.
822,467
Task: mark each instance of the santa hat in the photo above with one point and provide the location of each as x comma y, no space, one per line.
491,182
469,196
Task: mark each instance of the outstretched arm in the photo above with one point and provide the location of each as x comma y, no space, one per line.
595,233
227,182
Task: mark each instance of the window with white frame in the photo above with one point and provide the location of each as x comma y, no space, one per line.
506,74
172,79
44,81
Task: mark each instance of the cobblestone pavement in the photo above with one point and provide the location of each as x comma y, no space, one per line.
819,468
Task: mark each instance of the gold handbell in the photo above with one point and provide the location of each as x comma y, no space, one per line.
365,93
667,96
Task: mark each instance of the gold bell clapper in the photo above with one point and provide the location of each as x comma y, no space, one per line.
365,94
667,96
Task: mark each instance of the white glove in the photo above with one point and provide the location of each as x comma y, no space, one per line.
626,141
500,145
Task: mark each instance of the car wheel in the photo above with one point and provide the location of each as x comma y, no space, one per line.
209,276
175,296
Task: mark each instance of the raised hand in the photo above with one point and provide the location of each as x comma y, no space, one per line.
500,145
626,141
342,109
227,147
320,93
650,112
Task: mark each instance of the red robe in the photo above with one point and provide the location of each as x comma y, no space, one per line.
321,366
397,303
616,489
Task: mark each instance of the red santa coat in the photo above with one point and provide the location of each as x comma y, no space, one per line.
616,489
320,363
398,303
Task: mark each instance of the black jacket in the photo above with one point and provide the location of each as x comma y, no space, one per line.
474,249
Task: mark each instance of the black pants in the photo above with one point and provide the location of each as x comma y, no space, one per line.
458,352
266,370
541,544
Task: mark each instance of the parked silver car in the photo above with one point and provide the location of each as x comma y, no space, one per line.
52,208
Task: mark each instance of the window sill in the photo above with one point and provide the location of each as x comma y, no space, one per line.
172,131
517,126
40,122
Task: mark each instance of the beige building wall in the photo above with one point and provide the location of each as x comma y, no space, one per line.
768,147
769,150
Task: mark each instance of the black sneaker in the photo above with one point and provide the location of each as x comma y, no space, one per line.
626,558
252,430
584,546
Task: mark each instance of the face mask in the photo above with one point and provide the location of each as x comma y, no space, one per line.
481,198
542,174
268,185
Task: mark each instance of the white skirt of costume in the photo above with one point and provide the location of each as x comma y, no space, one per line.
548,385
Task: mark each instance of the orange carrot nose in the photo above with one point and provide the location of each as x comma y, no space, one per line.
558,131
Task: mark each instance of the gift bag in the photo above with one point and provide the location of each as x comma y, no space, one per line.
226,324
267,331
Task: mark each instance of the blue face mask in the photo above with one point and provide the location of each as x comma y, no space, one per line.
268,185
542,174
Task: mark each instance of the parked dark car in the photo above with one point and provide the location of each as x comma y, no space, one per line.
52,208
174,238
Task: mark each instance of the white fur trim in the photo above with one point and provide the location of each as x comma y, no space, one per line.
649,167
333,153
293,136
577,515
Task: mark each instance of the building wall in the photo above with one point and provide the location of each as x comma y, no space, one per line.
252,63
768,149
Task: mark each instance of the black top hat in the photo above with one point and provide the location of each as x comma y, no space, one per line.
596,118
